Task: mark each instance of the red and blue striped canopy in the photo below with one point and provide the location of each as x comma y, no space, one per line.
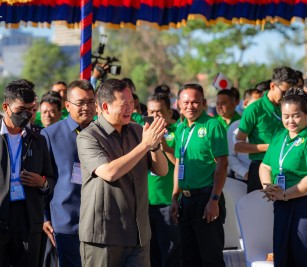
131,13
162,13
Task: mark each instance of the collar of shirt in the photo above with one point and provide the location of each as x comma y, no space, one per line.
271,107
303,133
234,118
109,129
4,129
200,120
73,125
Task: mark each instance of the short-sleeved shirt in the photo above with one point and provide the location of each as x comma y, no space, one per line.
177,122
160,188
113,213
294,166
208,141
260,121
234,118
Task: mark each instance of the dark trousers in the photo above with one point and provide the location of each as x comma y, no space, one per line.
68,248
202,242
165,238
19,247
48,253
290,233
253,181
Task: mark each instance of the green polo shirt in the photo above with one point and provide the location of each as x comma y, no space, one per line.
295,163
235,117
160,188
138,118
38,117
260,121
208,141
177,122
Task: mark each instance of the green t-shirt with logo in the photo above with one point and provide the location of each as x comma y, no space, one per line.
208,141
294,166
260,121
160,188
234,118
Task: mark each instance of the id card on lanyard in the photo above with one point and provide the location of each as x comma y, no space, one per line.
182,152
16,188
281,178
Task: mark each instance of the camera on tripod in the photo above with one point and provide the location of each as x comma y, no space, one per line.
104,64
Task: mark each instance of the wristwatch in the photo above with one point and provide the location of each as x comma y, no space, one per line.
215,197
155,149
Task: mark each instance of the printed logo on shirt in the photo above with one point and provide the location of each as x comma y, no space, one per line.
202,132
170,137
299,141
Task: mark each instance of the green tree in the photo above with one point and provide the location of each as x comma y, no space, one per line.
151,57
45,63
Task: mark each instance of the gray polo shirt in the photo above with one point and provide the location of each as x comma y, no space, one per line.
112,213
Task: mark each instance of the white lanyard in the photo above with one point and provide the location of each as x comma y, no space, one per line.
279,118
184,148
282,156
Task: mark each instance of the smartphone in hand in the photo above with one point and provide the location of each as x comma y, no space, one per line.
148,119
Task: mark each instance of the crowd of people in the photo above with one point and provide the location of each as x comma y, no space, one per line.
93,177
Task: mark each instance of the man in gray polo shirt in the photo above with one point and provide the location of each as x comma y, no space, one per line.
115,156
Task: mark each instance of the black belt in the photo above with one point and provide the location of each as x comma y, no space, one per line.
198,191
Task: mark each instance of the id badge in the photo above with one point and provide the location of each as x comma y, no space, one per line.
281,181
181,172
76,177
16,190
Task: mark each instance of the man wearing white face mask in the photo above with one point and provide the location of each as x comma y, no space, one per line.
25,176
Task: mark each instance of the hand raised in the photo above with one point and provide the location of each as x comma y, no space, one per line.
152,134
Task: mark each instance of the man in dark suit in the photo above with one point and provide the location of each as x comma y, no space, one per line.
62,217
25,176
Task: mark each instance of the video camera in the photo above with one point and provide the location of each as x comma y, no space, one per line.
97,56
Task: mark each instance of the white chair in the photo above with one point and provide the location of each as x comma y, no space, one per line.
233,191
255,216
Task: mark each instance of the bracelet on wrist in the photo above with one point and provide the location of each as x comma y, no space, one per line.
155,149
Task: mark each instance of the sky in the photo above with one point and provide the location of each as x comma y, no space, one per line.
266,43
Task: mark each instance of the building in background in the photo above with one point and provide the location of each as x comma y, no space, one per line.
15,43
68,40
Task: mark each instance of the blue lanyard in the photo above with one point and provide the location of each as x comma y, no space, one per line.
17,156
184,147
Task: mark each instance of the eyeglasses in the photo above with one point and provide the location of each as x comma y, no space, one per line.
83,103
282,91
